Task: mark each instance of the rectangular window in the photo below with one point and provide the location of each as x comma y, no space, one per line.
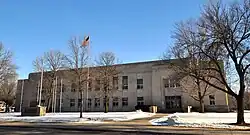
140,101
89,103
115,102
125,82
172,83
73,87
212,99
105,102
97,102
177,84
72,102
115,83
97,85
166,83
139,83
124,101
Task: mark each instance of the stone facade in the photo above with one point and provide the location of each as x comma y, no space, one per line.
146,86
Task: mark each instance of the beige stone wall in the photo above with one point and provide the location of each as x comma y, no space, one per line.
153,90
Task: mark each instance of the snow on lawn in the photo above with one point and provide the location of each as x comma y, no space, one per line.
213,120
91,117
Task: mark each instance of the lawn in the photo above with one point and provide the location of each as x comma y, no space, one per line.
74,117
213,120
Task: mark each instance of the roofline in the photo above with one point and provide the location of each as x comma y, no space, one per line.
123,64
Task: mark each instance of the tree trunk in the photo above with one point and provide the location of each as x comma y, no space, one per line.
6,108
202,108
49,105
240,110
106,105
81,106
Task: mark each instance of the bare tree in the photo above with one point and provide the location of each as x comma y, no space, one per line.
220,34
50,63
194,66
107,73
197,90
8,92
7,67
8,76
77,62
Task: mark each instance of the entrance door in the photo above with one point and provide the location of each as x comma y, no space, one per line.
173,103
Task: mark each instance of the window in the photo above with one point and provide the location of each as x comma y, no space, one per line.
105,102
97,86
90,85
89,103
139,83
177,84
124,101
72,102
212,99
166,83
115,83
140,101
172,83
125,82
115,102
97,102
73,87
79,102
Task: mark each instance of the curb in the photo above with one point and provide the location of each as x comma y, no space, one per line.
66,128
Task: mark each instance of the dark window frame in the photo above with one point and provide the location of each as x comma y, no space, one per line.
72,102
124,101
140,100
124,82
139,83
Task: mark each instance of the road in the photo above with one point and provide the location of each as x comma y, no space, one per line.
43,131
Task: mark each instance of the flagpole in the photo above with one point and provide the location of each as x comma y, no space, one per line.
55,96
85,43
52,102
61,97
88,53
38,91
41,87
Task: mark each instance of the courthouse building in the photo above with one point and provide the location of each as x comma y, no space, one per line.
148,83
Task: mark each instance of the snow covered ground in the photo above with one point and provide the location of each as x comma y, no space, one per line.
91,117
213,120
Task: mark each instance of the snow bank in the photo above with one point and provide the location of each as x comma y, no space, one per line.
213,120
92,117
